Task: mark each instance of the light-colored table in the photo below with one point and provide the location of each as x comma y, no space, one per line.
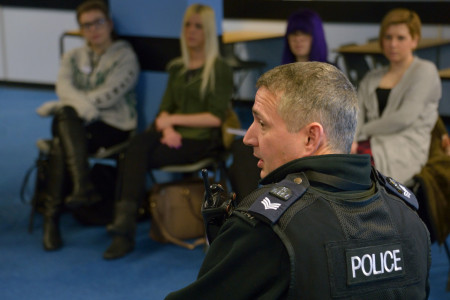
372,48
445,74
230,37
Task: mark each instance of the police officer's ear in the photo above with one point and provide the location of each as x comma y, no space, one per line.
315,139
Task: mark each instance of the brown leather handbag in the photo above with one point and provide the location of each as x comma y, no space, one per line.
175,209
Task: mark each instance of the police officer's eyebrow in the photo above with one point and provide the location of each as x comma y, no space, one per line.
256,114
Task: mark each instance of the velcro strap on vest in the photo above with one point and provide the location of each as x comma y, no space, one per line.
275,202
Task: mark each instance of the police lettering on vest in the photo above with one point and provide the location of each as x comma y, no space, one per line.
374,263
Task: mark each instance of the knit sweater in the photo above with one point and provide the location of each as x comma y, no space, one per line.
101,87
400,136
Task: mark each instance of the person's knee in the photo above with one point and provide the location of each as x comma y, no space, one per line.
66,112
63,115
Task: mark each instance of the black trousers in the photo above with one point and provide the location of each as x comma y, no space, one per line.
146,152
99,134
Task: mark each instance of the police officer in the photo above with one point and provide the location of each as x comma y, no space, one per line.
323,224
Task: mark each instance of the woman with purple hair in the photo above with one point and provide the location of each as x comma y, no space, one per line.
305,38
304,41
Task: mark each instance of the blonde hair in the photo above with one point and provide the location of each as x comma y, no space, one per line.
401,16
207,16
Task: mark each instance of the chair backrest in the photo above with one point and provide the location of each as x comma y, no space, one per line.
113,151
356,66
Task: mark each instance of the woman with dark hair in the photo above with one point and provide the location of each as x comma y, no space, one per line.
305,38
96,109
193,107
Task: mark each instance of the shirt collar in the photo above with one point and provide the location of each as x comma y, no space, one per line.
353,168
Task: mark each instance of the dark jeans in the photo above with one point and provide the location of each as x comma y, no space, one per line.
146,152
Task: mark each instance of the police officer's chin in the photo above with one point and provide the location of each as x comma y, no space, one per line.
263,173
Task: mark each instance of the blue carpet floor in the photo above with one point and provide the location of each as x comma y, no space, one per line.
78,271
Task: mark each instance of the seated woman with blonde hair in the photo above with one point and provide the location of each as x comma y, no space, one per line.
193,107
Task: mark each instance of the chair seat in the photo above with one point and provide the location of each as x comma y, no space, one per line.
189,168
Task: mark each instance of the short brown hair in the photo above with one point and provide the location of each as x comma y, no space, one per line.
401,16
315,92
92,5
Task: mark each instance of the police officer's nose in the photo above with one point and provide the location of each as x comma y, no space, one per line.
249,138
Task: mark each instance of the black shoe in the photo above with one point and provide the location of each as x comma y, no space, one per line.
52,237
120,246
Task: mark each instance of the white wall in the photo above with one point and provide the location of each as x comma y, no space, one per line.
2,52
336,34
30,43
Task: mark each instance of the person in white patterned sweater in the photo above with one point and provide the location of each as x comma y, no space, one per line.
96,108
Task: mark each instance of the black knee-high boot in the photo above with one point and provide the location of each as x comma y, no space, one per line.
130,189
70,129
54,194
123,230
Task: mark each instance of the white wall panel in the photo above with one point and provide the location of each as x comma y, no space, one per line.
31,43
2,52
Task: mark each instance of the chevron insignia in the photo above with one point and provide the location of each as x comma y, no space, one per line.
269,205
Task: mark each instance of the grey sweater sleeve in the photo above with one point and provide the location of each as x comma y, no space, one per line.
68,93
419,89
65,87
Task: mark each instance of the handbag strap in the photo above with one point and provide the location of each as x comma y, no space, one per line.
33,201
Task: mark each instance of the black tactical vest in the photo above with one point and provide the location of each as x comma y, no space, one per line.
376,248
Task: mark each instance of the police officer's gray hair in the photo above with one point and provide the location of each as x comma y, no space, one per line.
315,92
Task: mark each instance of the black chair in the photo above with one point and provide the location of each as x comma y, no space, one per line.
355,64
378,60
241,68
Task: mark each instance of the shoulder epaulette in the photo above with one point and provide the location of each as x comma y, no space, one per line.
278,199
398,189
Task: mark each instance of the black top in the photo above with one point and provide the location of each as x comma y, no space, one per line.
382,96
